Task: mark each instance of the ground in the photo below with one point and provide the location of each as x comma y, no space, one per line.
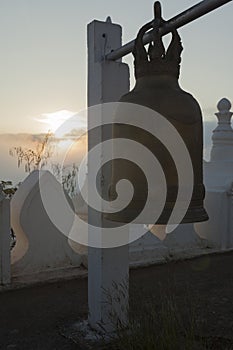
36,318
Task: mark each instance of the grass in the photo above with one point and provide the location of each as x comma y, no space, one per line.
157,328
158,324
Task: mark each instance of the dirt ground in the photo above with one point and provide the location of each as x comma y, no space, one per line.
33,318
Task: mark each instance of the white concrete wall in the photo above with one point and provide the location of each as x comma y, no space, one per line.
40,246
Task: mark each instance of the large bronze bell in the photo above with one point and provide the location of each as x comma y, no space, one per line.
157,72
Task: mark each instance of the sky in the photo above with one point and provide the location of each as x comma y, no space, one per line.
44,60
44,52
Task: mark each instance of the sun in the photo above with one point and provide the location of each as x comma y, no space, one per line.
56,119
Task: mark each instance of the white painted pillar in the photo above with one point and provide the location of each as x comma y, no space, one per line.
218,179
107,268
222,149
5,261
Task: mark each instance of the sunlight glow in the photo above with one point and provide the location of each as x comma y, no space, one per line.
56,119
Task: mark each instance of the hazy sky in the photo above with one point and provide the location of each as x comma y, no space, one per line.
44,53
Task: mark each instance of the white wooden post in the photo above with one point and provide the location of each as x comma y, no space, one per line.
5,261
107,268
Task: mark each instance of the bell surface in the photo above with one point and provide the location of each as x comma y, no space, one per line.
157,87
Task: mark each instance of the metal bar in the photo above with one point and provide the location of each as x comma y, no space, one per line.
178,21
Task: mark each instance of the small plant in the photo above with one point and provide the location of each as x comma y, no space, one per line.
36,158
8,188
68,176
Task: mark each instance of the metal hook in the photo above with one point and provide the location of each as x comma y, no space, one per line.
157,10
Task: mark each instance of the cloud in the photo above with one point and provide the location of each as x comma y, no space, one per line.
76,133
71,147
55,119
63,122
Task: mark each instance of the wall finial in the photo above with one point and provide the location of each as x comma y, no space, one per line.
222,149
224,105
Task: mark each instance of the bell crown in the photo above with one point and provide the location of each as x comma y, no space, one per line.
157,60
